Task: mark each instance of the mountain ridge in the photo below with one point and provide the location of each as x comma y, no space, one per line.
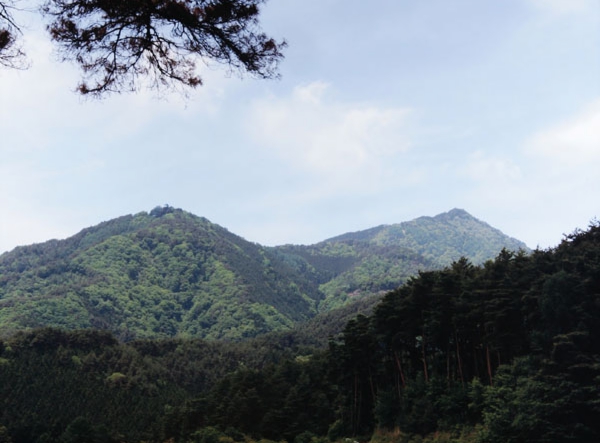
171,273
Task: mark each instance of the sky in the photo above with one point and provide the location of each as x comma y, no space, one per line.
385,111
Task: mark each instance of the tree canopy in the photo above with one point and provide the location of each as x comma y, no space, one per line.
119,44
502,352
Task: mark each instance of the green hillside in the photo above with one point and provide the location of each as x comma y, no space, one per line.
380,259
170,273
442,239
502,352
160,274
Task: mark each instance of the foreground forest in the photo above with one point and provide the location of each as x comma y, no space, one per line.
503,352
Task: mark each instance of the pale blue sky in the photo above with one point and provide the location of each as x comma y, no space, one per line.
386,110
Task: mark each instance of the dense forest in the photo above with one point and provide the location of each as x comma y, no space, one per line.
170,273
506,351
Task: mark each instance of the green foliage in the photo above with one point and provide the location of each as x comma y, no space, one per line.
507,345
82,431
383,258
288,400
502,352
161,274
4,435
208,434
169,273
124,391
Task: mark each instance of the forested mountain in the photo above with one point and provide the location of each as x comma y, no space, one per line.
170,273
382,258
442,239
156,274
506,351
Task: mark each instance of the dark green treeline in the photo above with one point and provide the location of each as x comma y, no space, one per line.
504,352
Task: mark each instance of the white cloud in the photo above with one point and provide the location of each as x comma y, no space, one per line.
41,102
565,159
311,93
573,143
483,168
346,145
547,190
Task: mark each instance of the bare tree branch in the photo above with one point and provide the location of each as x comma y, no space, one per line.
11,54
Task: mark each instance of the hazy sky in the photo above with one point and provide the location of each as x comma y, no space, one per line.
386,110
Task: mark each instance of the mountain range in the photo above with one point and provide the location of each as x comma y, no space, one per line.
169,273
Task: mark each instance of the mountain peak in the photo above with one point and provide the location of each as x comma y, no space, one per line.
443,238
457,212
159,211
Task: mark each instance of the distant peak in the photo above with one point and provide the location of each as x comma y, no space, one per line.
457,212
159,211
454,214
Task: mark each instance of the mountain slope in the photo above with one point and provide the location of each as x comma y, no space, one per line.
442,239
148,275
381,258
168,273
